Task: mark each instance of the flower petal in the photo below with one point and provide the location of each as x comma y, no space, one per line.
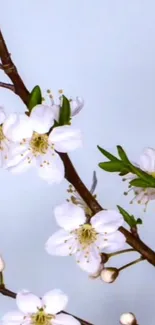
23,164
17,127
56,111
54,301
42,118
12,318
114,242
69,216
147,160
27,302
76,105
2,115
89,260
107,221
65,138
64,319
54,171
61,243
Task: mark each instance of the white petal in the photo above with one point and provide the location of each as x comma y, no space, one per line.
12,318
114,242
23,165
64,319
42,118
16,153
61,243
17,127
2,115
89,260
76,105
69,216
55,301
4,152
147,160
27,302
52,173
107,221
56,112
65,138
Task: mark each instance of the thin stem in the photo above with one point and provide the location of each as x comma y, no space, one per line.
131,263
8,86
121,252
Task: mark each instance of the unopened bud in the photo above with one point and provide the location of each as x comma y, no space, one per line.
109,274
2,264
128,319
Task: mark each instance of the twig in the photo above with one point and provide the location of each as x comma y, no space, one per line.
6,292
70,172
8,86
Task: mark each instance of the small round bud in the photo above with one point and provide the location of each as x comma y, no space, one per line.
2,264
128,319
109,274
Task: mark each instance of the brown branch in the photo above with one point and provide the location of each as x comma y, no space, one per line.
4,291
8,86
11,71
70,172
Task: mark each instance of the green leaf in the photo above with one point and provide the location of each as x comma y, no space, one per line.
111,166
65,112
35,98
122,155
124,172
107,154
138,182
129,219
139,221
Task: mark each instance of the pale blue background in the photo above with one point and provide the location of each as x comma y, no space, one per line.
103,50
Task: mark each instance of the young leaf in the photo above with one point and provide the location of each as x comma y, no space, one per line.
129,219
107,154
138,182
35,98
123,155
65,112
111,166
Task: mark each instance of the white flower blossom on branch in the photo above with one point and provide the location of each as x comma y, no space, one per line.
45,311
4,141
147,164
34,147
85,240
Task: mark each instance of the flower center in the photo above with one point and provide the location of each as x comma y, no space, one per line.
39,143
2,136
86,235
41,318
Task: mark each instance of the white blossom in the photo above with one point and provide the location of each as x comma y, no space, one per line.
128,319
75,106
45,311
109,274
4,141
147,164
85,240
34,147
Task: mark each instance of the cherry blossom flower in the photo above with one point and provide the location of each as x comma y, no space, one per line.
45,311
76,106
128,319
147,164
85,240
34,147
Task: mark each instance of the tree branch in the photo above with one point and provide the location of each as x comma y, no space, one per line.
70,172
8,86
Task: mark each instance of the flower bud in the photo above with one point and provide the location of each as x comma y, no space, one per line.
2,264
109,274
128,319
